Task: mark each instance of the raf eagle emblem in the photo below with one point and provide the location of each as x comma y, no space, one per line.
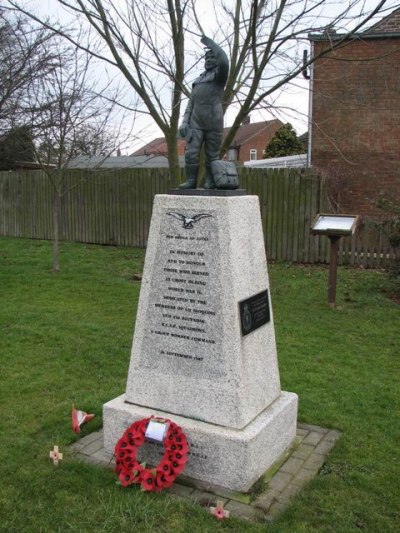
188,221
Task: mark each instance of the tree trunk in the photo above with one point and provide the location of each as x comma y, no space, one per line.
56,231
173,160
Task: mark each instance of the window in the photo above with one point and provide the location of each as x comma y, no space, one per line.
231,156
253,154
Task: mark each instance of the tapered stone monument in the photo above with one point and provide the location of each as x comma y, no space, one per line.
204,351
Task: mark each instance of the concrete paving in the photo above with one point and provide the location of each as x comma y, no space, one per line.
271,494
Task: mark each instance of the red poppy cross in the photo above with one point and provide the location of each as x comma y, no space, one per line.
219,511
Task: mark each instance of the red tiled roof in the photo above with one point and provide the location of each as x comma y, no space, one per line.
245,133
248,131
156,146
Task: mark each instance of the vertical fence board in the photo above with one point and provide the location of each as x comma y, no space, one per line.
286,253
13,201
127,205
296,216
280,179
302,217
289,217
272,217
314,206
264,209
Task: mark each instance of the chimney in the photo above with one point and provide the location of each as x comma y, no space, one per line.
119,152
246,120
329,31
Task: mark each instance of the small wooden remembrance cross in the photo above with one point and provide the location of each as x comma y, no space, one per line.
55,455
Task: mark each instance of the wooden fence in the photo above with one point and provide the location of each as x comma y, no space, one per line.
114,208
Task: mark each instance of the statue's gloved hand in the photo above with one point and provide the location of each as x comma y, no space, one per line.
183,129
207,41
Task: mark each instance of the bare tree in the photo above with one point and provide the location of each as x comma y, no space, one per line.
145,41
336,187
24,59
69,116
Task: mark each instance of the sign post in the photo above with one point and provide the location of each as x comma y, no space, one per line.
334,227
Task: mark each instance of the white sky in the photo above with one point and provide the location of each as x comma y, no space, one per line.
291,102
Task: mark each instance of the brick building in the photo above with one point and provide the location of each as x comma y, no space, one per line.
158,147
355,115
249,142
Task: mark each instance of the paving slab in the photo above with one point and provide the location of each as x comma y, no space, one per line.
266,499
292,466
304,475
269,498
324,447
316,460
313,438
280,481
206,499
290,491
243,511
303,451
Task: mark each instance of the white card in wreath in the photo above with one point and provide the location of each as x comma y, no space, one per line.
156,431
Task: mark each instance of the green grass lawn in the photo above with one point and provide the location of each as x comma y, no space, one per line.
66,338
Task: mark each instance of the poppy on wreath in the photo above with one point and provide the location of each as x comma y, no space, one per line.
164,481
165,467
183,448
177,457
148,480
177,468
126,477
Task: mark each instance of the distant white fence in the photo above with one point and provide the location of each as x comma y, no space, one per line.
289,161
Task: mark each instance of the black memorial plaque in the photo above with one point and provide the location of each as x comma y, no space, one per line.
254,312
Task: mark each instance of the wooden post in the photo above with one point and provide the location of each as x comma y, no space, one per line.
333,269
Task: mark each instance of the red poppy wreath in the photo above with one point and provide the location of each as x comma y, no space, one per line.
162,476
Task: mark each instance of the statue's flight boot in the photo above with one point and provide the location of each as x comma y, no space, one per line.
209,182
191,172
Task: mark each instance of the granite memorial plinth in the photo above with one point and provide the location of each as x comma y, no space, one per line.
204,351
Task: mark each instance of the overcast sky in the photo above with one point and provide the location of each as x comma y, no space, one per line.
291,103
